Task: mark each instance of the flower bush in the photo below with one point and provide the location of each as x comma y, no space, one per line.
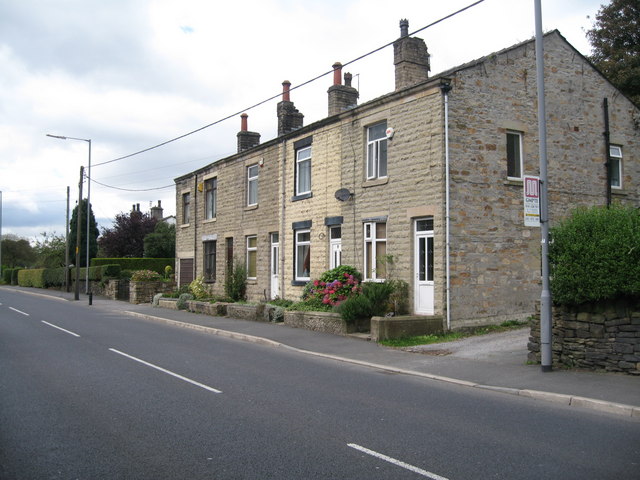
198,288
145,276
334,286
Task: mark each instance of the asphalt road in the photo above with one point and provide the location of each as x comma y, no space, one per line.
88,394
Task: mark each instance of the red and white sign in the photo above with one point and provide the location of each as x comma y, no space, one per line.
531,201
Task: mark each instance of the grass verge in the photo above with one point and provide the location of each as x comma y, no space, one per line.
451,336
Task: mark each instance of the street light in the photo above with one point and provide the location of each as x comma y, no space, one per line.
88,199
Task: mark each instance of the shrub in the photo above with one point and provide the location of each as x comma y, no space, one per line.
595,255
280,302
145,276
355,308
235,283
374,301
399,298
110,271
334,286
155,264
198,289
6,275
31,278
182,301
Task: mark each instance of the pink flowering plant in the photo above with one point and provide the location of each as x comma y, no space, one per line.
333,287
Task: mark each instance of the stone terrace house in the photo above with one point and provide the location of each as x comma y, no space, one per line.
430,174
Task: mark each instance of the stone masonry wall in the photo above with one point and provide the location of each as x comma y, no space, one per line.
603,336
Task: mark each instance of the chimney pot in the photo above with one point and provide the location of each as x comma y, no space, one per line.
243,122
337,73
159,204
404,27
347,79
285,90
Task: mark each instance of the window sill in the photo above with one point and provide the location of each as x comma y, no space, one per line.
251,207
513,182
185,225
210,220
376,182
252,281
209,282
299,283
302,196
619,192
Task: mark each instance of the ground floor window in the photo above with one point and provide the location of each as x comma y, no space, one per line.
303,255
335,246
252,256
375,250
209,261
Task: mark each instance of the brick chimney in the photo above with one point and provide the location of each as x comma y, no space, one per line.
289,118
411,58
246,139
341,97
157,212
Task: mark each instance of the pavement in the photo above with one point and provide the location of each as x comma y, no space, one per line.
496,362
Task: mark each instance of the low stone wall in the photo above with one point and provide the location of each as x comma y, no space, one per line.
143,292
255,313
388,328
208,308
327,322
603,336
170,303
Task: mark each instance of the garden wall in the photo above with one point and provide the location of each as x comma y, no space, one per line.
387,328
600,336
143,292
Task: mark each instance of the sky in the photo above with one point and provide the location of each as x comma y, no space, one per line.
133,74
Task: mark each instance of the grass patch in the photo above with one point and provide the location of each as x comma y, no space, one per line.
451,336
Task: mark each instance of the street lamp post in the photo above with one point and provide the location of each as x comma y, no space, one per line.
88,200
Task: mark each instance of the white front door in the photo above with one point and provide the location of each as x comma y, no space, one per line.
275,266
424,285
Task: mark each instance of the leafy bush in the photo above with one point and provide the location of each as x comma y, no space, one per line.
334,286
399,298
182,301
145,276
374,301
110,271
355,308
280,302
198,288
31,278
595,255
6,275
235,283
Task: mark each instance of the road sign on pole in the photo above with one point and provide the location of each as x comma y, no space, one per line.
531,201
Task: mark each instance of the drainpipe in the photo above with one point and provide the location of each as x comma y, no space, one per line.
607,146
194,218
283,207
446,88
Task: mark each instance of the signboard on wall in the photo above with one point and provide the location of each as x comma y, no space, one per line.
531,201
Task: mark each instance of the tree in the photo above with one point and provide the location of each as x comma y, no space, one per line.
126,238
17,252
615,39
162,242
50,250
93,234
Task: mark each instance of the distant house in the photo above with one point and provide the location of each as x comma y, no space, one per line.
430,175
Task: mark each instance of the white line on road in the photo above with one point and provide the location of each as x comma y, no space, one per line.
168,372
60,328
398,463
16,310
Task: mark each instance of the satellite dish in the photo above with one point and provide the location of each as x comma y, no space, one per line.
343,194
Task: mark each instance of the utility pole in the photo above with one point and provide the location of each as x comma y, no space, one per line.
76,295
66,248
545,296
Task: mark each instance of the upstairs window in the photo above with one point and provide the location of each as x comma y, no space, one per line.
377,151
303,171
210,198
514,155
252,185
615,168
186,207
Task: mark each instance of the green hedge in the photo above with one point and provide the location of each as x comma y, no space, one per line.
6,275
155,264
54,277
595,255
31,278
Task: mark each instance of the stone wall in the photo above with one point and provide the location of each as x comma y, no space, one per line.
143,292
603,336
387,328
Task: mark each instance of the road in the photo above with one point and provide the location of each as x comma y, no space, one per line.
86,393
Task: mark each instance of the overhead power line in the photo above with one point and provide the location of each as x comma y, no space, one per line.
132,189
279,94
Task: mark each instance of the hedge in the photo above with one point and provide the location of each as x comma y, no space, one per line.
155,264
6,275
54,277
595,255
31,278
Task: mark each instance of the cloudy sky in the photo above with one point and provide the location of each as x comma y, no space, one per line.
132,74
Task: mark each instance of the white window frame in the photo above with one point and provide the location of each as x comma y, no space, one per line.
370,238
298,275
252,184
335,246
252,253
377,166
210,198
519,160
615,157
300,160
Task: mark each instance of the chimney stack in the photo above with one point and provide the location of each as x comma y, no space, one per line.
341,97
157,212
411,58
289,118
246,139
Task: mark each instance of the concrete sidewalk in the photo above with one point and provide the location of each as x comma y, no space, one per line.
495,361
